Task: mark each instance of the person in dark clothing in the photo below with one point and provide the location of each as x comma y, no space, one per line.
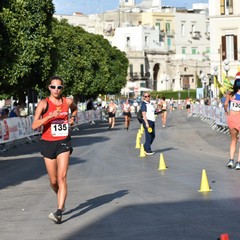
4,114
90,107
148,113
15,111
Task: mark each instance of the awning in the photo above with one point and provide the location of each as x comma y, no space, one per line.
143,89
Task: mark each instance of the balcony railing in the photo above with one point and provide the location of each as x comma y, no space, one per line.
135,76
196,34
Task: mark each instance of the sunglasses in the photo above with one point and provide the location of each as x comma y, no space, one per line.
58,87
147,96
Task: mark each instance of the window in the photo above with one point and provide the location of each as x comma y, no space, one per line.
194,51
128,41
229,4
126,1
131,70
207,28
158,26
142,70
146,41
184,50
161,38
169,43
183,29
193,28
226,7
168,27
229,47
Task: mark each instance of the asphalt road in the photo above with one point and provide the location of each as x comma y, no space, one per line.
116,195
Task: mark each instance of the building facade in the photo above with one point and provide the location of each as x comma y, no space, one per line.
167,48
225,37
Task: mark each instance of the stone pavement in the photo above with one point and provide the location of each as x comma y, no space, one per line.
116,195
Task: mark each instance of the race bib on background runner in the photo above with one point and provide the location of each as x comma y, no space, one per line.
235,106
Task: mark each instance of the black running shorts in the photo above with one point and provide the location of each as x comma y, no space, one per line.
111,115
51,149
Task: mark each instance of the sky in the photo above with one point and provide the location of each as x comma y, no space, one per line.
98,6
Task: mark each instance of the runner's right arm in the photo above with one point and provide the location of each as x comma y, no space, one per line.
38,120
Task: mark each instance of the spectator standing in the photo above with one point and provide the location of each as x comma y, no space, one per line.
223,100
232,110
52,114
4,113
15,112
90,107
126,108
135,104
112,108
148,113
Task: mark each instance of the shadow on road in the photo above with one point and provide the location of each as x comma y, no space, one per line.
184,220
94,203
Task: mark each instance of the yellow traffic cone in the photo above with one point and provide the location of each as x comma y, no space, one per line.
139,133
142,151
138,146
162,165
142,129
204,183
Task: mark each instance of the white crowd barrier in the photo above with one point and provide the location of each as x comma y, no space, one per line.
212,115
13,129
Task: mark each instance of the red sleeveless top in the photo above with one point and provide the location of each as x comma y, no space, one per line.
56,128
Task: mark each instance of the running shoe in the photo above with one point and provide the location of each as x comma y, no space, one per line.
230,163
237,166
150,153
56,217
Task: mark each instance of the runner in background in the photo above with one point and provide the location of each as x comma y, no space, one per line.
171,105
112,108
126,108
163,106
188,106
232,110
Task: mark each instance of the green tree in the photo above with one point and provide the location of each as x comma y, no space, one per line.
27,48
34,46
118,66
87,62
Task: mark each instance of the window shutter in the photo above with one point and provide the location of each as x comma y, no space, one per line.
224,47
222,7
235,48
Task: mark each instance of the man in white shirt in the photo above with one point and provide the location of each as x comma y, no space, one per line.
148,113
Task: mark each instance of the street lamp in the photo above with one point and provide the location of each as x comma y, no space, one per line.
226,66
166,79
203,81
215,74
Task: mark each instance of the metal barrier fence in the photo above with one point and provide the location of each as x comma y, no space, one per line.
215,116
15,132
